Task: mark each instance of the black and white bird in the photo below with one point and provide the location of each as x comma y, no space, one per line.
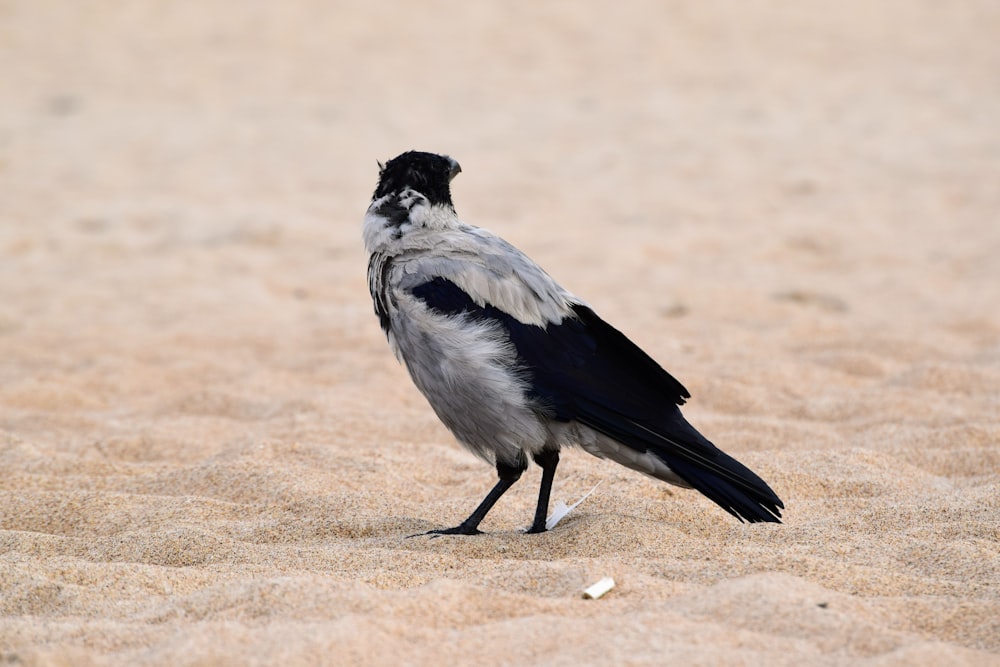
516,366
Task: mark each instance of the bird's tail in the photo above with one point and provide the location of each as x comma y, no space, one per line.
692,458
732,486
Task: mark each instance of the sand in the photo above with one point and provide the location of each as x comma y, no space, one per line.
210,457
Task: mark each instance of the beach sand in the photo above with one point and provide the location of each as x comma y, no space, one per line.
209,456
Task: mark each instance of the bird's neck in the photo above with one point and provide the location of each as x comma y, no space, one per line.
396,217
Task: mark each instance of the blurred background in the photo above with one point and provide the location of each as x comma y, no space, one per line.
183,185
202,167
190,166
812,124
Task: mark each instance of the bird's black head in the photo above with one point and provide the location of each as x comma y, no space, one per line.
427,173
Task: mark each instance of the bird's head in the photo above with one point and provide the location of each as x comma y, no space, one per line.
427,173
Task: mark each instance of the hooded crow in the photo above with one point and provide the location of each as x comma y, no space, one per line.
515,365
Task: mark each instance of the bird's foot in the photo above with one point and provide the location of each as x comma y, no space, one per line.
460,529
536,528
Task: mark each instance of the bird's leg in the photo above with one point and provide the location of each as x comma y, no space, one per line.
548,460
508,475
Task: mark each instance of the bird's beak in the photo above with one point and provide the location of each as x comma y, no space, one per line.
456,169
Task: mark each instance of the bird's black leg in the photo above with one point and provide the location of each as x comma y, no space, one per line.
508,475
548,460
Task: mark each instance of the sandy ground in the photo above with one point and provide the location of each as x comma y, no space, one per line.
208,455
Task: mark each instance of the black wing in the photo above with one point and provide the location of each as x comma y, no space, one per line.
584,369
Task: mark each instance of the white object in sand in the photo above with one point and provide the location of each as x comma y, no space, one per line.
561,510
599,589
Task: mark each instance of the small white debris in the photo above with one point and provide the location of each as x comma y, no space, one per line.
599,589
561,510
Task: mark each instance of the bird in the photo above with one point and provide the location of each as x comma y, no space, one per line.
516,366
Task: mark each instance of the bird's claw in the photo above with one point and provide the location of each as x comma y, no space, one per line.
461,529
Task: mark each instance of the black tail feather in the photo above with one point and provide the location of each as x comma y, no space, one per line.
752,501
720,477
